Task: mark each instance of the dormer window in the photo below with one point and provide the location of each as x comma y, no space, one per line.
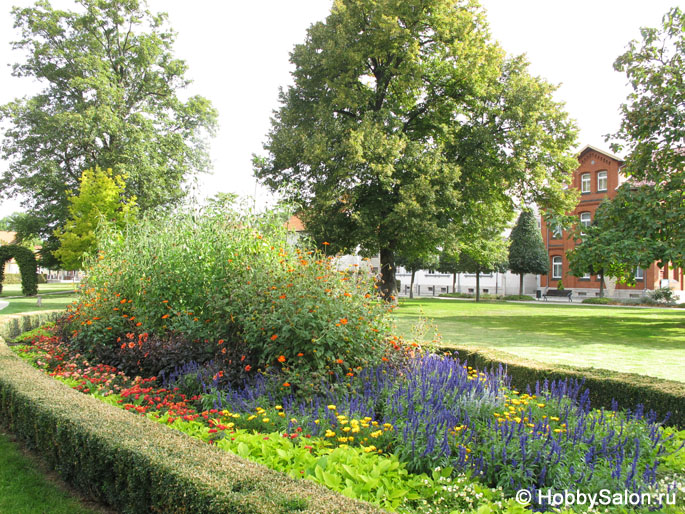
601,181
585,183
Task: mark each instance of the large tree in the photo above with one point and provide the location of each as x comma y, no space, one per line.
402,119
653,134
527,252
484,256
110,99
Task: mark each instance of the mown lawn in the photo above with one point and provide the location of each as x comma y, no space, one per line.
29,304
27,488
15,289
646,341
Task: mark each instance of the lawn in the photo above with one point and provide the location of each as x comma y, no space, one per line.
25,487
15,289
29,304
645,341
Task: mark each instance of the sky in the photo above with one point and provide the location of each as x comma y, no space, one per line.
238,57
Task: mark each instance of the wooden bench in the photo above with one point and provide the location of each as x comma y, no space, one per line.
561,293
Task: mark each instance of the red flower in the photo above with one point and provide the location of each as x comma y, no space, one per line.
281,358
248,367
274,337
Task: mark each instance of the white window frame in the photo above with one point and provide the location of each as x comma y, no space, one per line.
557,232
586,276
585,183
557,262
585,221
602,180
639,273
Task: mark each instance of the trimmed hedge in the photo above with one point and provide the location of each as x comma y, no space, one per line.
627,389
135,464
28,267
15,278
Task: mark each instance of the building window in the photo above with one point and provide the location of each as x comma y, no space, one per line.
556,268
585,220
586,276
639,273
601,181
585,183
556,231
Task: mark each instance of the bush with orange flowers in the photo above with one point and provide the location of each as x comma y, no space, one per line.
229,287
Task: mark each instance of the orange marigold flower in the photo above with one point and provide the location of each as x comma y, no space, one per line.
131,345
282,297
343,321
274,337
165,316
349,374
123,301
165,301
138,324
347,294
325,243
221,341
248,367
300,354
281,358
339,361
108,328
286,384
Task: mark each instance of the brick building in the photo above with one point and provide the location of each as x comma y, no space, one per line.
597,178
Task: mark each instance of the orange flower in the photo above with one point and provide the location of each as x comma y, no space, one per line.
286,384
131,345
282,297
139,323
281,358
339,361
300,354
123,301
274,337
343,321
248,367
165,316
350,374
325,243
242,358
165,301
108,328
221,341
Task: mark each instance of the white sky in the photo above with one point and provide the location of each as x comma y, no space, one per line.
237,53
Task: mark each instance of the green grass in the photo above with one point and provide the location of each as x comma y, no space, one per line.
25,488
15,289
645,341
29,304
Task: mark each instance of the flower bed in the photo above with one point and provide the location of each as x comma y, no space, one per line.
404,441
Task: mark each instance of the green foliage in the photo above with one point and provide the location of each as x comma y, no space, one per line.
597,301
15,278
404,118
650,210
665,397
138,465
233,288
527,252
518,298
663,295
28,268
100,198
111,99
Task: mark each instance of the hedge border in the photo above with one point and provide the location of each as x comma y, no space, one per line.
627,389
136,464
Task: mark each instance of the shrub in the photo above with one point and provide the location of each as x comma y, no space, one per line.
15,278
235,290
518,298
663,296
598,301
26,260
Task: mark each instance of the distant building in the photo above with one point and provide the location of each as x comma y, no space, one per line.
597,178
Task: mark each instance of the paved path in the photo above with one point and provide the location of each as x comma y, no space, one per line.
3,305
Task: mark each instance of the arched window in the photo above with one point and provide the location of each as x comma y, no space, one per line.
585,183
601,181
557,268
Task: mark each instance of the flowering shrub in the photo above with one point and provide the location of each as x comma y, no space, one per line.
229,288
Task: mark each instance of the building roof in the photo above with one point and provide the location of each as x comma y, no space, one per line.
295,223
590,148
7,237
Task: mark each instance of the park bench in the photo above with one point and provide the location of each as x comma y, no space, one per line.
559,293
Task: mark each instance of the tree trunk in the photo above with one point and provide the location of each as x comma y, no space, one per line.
388,285
411,288
478,286
454,281
521,284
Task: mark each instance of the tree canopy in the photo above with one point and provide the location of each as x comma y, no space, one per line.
650,211
527,252
403,118
100,198
110,99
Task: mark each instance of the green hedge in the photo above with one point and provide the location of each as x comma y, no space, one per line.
628,389
28,267
15,278
137,465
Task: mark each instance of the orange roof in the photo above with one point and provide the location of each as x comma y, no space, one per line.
7,237
295,223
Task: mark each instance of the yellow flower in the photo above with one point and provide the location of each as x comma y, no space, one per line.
331,407
329,433
265,420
